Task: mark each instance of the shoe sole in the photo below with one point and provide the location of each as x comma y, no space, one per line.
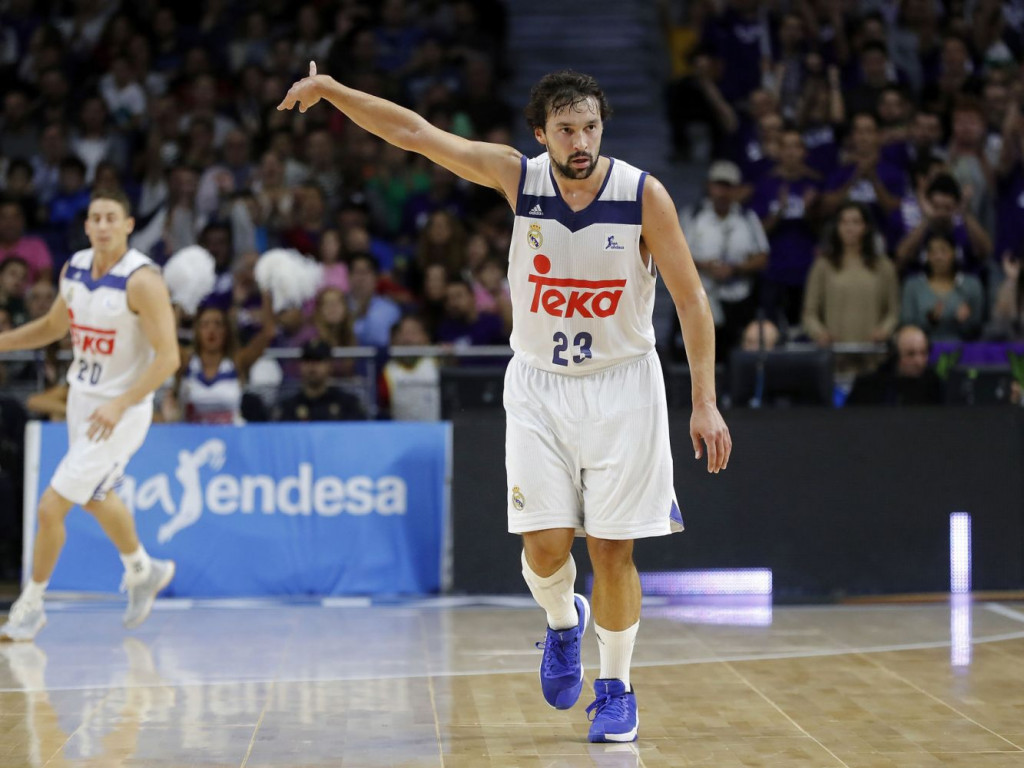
586,621
619,738
9,639
149,603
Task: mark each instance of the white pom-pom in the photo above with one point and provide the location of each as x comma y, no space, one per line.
190,275
291,278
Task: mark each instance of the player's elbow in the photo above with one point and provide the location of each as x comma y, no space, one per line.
170,360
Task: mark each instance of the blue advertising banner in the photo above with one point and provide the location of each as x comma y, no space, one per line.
271,509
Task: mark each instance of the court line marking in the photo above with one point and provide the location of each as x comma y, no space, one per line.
1006,611
807,654
433,699
785,714
943,702
263,713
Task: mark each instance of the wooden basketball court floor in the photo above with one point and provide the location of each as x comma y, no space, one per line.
453,683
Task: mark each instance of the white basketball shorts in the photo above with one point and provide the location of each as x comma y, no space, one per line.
90,469
590,452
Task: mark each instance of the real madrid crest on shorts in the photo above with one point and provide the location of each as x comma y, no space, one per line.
534,237
518,500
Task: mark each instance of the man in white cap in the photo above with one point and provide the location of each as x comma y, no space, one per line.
730,248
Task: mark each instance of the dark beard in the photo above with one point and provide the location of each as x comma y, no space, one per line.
566,170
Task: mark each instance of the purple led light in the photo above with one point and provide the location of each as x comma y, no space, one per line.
718,581
959,553
960,631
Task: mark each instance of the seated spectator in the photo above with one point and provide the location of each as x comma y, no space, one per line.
905,379
729,248
14,242
66,213
852,291
435,292
410,387
317,400
13,273
1008,307
213,377
944,301
760,334
38,299
332,324
463,325
18,186
944,214
490,287
373,315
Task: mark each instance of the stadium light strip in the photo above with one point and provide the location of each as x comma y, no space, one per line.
960,553
711,582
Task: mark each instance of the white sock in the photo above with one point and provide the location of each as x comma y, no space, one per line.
34,591
616,652
554,593
136,565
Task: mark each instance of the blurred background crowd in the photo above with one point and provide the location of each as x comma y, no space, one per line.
861,161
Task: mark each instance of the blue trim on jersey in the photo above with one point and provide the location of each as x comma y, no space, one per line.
84,276
675,514
522,179
597,212
640,188
116,282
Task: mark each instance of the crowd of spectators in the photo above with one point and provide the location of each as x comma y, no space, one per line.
176,105
868,166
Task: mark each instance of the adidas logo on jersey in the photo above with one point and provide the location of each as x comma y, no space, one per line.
536,210
569,297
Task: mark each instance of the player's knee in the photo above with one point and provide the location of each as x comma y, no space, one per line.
547,550
51,512
606,554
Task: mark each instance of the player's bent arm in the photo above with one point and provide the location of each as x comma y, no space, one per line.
149,299
664,238
490,165
51,327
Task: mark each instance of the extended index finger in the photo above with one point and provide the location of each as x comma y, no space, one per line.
312,69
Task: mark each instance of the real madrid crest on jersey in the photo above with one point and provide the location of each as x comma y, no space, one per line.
534,237
518,500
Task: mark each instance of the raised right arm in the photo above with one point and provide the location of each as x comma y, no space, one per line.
490,165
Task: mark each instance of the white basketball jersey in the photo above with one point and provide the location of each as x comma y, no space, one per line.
110,348
582,297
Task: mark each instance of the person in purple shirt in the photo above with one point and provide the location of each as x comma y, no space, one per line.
924,138
1010,213
910,213
822,112
737,38
463,325
787,201
944,214
868,179
759,154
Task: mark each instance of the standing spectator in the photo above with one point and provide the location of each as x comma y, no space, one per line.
944,214
924,139
729,248
969,162
19,136
18,186
868,178
905,379
945,302
94,140
787,202
221,182
373,315
762,151
876,73
410,386
852,290
820,115
317,400
14,242
737,38
124,96
46,164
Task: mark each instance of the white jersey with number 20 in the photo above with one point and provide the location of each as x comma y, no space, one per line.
582,296
110,348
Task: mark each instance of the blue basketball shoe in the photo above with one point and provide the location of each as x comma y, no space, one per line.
615,717
561,667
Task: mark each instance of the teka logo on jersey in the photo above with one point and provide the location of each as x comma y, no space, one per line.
228,494
95,341
567,297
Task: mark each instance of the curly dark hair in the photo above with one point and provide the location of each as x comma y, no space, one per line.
558,90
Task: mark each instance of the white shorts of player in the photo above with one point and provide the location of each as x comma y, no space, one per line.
90,469
590,452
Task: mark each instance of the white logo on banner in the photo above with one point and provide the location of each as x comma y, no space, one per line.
298,494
